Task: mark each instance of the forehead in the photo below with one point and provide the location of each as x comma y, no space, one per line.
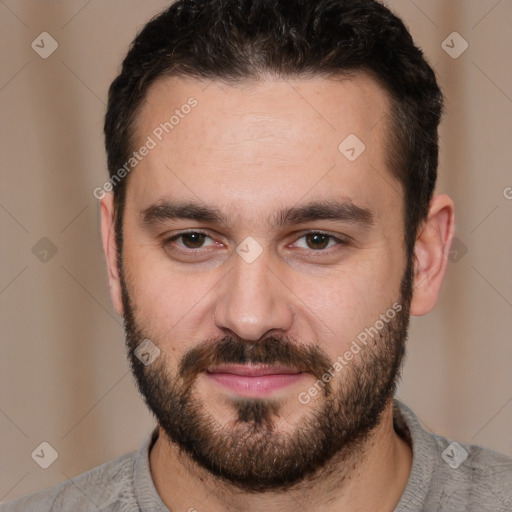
256,144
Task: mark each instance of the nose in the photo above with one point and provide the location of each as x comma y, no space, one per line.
252,300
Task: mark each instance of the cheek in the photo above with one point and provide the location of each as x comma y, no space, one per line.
340,307
168,302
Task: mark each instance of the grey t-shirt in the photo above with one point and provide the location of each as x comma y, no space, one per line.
445,477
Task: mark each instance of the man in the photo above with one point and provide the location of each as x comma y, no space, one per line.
269,226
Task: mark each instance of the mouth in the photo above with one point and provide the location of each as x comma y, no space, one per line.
254,380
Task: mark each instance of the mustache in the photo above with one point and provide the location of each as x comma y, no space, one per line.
269,351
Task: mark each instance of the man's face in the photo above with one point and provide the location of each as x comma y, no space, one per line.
250,312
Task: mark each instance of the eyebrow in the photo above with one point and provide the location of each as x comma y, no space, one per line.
342,211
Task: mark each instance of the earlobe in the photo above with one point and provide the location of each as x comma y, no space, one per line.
431,254
110,249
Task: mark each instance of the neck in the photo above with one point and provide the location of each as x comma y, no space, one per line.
374,478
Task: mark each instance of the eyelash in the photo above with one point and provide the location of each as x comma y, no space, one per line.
166,242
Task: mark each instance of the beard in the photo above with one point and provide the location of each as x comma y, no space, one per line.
251,453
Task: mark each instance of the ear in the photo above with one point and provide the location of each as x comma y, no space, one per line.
431,254
110,249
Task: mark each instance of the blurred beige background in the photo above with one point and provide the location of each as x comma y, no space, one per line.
64,378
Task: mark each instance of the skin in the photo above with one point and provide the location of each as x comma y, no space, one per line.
249,150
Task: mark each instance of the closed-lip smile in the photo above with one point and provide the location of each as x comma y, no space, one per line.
253,380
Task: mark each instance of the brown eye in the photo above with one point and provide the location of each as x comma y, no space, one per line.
189,241
193,240
317,240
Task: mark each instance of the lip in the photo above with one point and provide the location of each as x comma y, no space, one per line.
254,380
256,370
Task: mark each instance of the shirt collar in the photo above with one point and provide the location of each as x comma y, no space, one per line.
425,459
145,490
